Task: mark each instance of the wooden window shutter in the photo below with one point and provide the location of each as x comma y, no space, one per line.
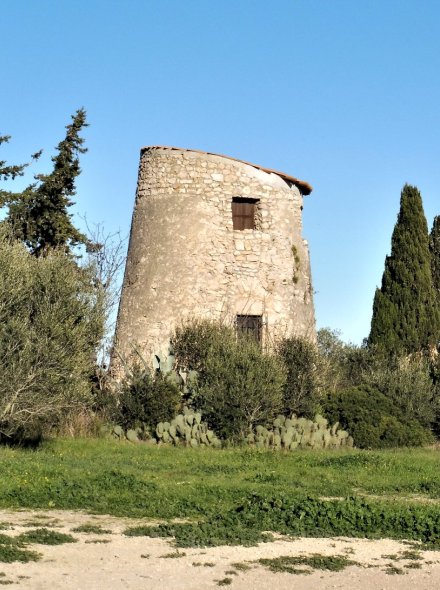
243,213
250,325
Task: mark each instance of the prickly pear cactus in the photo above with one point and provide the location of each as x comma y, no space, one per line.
299,433
187,429
166,364
132,435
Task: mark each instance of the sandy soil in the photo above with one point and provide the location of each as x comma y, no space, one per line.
118,562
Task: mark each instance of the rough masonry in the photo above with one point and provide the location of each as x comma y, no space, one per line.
186,260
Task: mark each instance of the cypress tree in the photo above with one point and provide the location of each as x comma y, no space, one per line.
434,248
406,317
39,215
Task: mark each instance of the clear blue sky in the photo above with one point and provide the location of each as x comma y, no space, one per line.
344,94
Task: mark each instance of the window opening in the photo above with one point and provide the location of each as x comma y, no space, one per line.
243,213
250,326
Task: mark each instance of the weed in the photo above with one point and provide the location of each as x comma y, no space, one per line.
94,529
231,573
247,523
145,555
12,549
96,541
3,580
4,526
173,555
334,563
393,570
414,555
204,564
38,523
414,565
241,566
264,478
284,564
7,540
45,536
224,582
217,531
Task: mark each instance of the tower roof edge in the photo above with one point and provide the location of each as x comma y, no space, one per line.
303,186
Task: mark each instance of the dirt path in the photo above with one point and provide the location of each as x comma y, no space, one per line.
111,560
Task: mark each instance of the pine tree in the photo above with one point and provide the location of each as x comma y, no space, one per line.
10,172
406,317
39,215
434,248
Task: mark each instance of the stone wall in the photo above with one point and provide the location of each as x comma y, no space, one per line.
186,260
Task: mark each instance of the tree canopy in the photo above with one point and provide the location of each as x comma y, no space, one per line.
434,248
406,316
39,215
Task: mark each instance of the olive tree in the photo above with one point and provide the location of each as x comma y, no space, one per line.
51,322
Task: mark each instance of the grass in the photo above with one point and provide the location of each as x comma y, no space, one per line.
232,495
111,477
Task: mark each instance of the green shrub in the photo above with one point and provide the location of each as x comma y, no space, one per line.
408,383
435,376
301,389
146,400
238,386
373,420
341,365
51,322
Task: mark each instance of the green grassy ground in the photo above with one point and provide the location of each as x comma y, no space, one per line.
124,479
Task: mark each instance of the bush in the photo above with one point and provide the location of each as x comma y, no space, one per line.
435,376
238,386
408,383
51,322
341,365
373,420
301,389
146,400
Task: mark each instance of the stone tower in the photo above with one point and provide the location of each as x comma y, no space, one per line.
213,237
